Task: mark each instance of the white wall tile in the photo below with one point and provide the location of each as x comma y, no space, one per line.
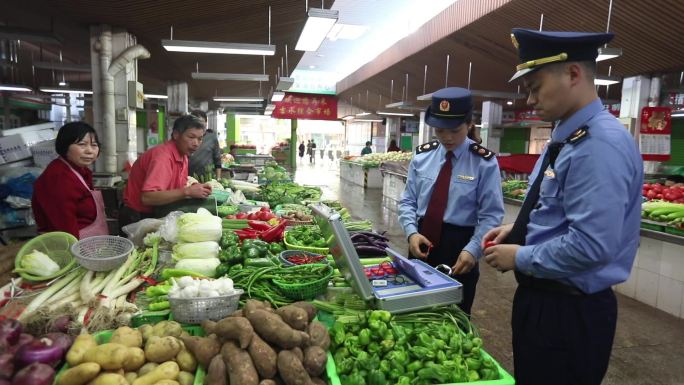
628,287
672,261
650,253
647,287
670,294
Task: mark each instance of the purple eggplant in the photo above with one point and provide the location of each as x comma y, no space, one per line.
43,350
35,374
370,250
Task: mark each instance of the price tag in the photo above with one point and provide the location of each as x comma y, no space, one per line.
379,282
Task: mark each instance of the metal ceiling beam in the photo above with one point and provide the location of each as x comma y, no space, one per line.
62,66
16,33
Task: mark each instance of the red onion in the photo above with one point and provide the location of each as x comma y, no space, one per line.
6,365
34,374
10,330
60,324
5,382
23,340
62,340
42,350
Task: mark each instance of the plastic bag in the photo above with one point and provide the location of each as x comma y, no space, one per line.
169,229
137,231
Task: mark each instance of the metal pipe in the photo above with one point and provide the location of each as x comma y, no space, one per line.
108,122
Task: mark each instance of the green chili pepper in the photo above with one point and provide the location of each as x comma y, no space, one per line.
163,305
477,341
155,291
345,366
488,363
438,374
275,248
472,363
380,315
467,346
398,356
403,380
385,366
422,352
362,358
414,366
473,376
441,356
355,379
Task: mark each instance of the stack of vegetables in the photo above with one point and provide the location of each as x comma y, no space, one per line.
272,172
246,253
661,211
420,348
656,191
198,248
368,243
306,236
374,159
288,192
515,189
260,345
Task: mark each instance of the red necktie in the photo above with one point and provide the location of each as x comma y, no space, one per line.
434,216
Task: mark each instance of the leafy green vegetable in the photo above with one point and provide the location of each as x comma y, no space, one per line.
288,192
38,264
207,249
198,227
205,266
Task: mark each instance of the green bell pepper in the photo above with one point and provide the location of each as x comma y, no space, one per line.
364,337
229,238
403,380
374,348
472,363
387,345
376,377
222,270
473,376
355,379
275,248
380,315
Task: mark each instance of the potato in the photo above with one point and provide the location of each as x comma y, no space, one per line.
109,379
167,329
235,328
239,365
294,316
273,329
251,305
314,360
203,348
264,357
291,369
162,349
82,344
130,377
187,378
208,326
319,335
135,359
186,361
267,382
166,371
299,353
167,382
145,331
120,372
148,367
216,374
79,375
110,356
237,313
127,337
310,309
318,381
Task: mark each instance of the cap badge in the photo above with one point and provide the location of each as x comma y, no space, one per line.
444,105
481,151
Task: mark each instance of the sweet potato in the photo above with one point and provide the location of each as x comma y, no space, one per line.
310,309
273,329
127,337
291,369
162,349
267,382
294,316
319,335
236,329
186,361
318,381
299,353
109,356
216,374
314,360
135,360
166,371
109,379
208,326
237,313
239,365
203,348
82,344
79,375
264,357
251,305
186,378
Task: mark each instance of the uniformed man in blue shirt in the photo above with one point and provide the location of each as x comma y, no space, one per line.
453,192
578,230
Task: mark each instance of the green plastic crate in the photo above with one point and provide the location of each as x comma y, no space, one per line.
652,226
674,231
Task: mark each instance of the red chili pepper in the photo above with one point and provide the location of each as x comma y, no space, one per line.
257,225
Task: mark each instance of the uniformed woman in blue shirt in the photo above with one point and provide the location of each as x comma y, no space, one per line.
453,192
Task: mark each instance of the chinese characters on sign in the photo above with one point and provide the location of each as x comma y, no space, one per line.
306,106
655,132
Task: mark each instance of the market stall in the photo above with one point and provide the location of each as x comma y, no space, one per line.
365,170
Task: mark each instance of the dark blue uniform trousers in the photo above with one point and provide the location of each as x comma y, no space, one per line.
561,338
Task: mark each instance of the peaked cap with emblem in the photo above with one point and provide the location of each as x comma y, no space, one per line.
539,48
450,107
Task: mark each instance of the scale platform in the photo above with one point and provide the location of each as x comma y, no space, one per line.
415,285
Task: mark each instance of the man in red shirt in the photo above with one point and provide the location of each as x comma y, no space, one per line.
160,175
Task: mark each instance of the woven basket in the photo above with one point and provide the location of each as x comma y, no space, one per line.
102,252
306,291
196,310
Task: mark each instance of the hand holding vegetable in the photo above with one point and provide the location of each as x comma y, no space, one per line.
197,190
416,240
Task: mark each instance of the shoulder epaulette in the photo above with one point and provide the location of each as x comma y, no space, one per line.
425,147
578,135
481,151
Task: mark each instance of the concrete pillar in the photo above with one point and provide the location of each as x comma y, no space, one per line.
424,131
293,145
635,95
178,97
491,118
392,130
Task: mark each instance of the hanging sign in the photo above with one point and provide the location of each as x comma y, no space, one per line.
655,132
306,106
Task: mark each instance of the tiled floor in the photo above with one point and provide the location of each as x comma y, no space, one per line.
649,343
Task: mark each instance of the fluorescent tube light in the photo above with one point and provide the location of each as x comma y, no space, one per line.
369,120
155,96
606,53
678,114
399,105
348,117
318,25
277,96
218,47
602,80
14,88
227,76
363,114
238,99
65,91
394,113
241,105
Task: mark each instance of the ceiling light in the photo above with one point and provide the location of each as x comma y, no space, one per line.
678,114
227,76
602,80
346,31
348,117
606,53
312,67
399,105
65,91
369,120
363,114
241,105
217,47
484,93
317,26
155,96
14,88
284,83
510,102
277,96
62,84
394,113
238,99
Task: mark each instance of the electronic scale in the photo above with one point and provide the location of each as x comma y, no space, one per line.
403,285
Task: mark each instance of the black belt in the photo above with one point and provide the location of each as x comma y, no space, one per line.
545,284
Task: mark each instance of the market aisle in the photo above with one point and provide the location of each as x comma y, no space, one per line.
648,345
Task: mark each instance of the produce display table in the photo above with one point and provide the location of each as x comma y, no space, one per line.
358,174
393,185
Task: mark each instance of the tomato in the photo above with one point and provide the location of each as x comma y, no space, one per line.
659,196
265,209
676,194
651,194
658,188
241,216
668,197
647,186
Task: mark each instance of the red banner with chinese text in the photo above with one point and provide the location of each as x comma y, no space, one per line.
306,106
655,133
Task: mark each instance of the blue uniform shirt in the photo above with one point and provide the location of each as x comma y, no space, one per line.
585,229
475,197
